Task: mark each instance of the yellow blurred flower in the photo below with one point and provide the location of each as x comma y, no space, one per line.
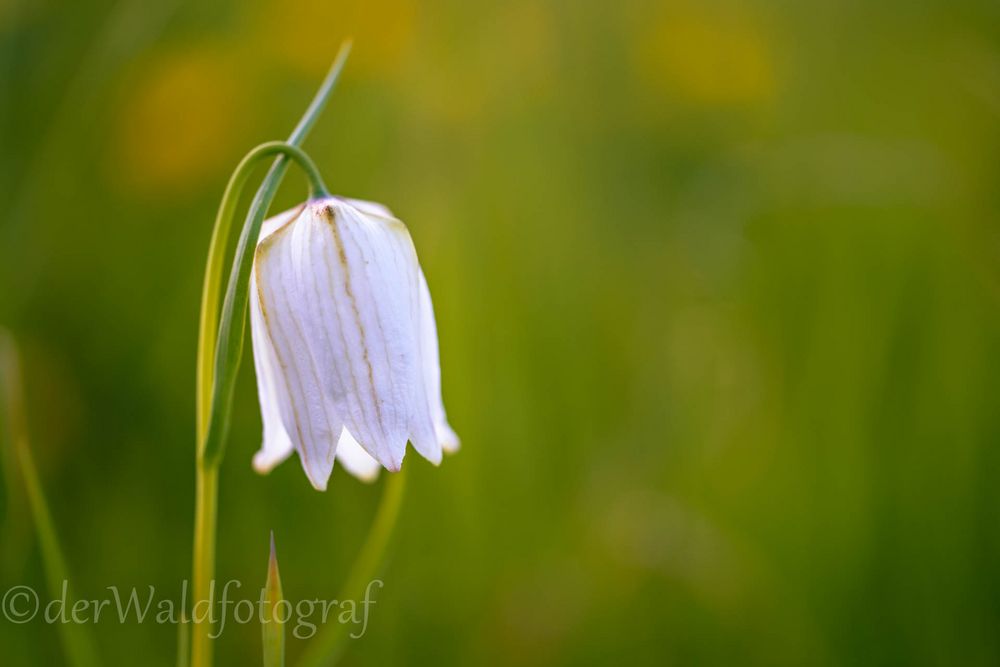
304,34
507,62
181,120
707,57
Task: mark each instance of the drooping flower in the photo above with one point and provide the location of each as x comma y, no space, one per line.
344,342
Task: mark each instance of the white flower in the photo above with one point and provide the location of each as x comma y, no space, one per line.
344,342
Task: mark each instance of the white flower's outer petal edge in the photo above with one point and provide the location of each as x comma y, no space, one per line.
276,445
430,357
423,430
286,284
371,208
274,223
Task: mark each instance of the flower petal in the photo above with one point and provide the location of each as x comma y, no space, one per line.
289,305
363,280
355,459
371,208
345,341
277,446
390,249
423,435
273,224
430,359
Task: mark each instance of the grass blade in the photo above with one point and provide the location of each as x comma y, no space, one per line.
76,639
184,641
328,646
273,629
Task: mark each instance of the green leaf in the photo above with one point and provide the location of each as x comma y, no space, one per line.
329,645
184,641
76,639
273,628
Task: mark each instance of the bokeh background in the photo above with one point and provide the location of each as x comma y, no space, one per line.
718,291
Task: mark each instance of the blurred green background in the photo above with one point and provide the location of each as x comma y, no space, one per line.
718,292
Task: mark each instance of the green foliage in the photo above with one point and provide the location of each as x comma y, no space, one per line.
76,638
716,286
273,626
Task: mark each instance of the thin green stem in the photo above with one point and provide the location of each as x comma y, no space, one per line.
76,639
207,480
229,345
206,503
207,470
327,647
207,334
184,641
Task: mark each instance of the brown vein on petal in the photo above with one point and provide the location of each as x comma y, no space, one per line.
326,337
268,371
271,327
365,433
308,451
332,427
270,238
378,315
385,271
268,326
343,337
342,257
397,241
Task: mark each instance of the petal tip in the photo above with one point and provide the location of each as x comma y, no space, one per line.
317,477
367,477
434,455
394,463
451,443
317,484
262,465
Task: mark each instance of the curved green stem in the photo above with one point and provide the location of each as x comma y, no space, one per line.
208,342
229,345
207,471
327,647
207,481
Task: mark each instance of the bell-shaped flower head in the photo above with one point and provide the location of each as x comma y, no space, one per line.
344,342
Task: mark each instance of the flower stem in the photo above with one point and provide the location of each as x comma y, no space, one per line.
206,500
328,645
208,326
225,367
229,343
208,460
